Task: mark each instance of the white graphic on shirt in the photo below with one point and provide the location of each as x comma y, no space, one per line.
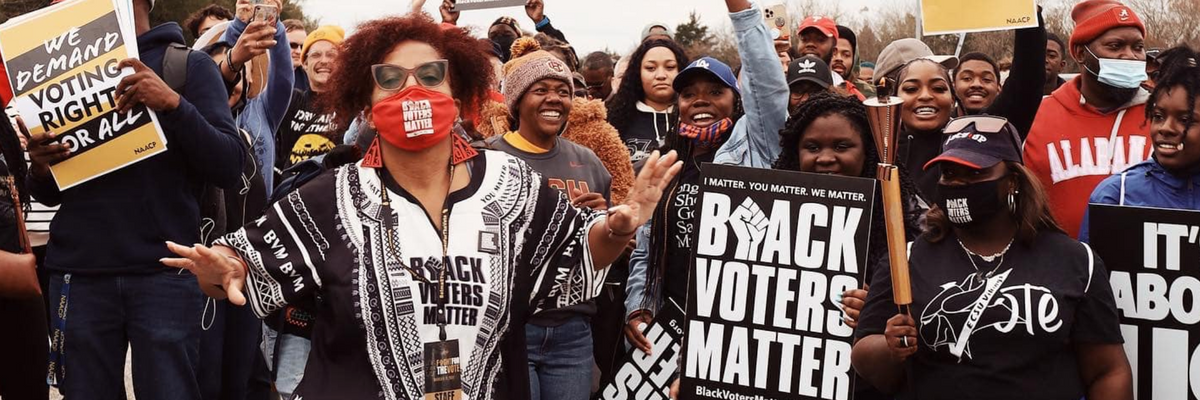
1097,157
684,204
965,309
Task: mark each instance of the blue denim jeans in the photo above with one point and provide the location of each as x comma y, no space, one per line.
292,359
560,360
158,314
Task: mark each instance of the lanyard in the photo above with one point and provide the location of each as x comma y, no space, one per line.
391,239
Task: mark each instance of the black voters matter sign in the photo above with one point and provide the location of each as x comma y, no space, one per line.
648,376
1153,258
773,250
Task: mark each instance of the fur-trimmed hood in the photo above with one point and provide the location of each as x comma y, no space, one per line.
587,126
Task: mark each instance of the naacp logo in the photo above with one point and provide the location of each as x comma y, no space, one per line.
418,118
807,66
702,64
958,210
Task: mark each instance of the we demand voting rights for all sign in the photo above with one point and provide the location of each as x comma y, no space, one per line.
772,251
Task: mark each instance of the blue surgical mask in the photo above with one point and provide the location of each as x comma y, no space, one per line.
1121,74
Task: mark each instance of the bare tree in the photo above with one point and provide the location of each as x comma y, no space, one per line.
14,8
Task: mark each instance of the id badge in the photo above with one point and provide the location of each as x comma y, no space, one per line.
443,373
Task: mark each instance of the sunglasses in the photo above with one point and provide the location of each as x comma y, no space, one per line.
296,46
983,124
392,77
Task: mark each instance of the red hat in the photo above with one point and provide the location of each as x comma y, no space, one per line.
824,24
1094,17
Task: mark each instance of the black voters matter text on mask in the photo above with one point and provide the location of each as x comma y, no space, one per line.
1153,256
773,250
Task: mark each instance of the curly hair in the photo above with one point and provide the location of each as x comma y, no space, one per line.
1032,213
351,84
212,10
825,104
624,101
1178,70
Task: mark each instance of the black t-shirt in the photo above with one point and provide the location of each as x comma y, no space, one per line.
306,131
1040,300
682,204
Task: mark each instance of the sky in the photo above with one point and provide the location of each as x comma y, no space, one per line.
589,25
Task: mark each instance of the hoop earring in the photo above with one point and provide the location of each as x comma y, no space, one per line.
1012,202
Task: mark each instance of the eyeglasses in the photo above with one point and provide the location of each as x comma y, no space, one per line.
983,124
392,77
296,46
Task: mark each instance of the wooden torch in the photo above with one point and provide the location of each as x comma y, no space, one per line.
883,111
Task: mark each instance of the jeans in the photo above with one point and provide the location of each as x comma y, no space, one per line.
230,363
292,358
158,314
560,360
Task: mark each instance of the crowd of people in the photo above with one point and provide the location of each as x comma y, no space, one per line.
411,211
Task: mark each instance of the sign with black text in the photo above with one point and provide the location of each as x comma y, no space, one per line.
773,250
62,63
1153,259
648,376
482,4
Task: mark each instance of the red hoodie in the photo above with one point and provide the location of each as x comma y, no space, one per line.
1068,148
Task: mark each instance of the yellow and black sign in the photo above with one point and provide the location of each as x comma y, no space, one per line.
939,17
62,66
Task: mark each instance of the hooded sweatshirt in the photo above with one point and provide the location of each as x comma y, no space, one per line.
1069,149
645,131
1146,185
262,114
118,223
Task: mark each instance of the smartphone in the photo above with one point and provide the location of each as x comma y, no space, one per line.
778,22
264,12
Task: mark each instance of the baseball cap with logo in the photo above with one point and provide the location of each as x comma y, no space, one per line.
811,69
901,52
1094,17
824,24
978,142
706,66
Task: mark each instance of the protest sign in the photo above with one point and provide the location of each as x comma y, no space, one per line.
482,4
939,17
648,376
772,252
1153,260
62,66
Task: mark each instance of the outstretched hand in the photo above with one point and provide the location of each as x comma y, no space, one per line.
644,196
218,273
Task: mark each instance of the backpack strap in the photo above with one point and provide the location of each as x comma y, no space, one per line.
175,66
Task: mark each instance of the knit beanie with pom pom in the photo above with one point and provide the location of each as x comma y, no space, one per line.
530,64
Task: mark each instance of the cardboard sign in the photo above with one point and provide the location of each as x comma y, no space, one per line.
461,5
1153,258
773,250
939,17
62,67
648,376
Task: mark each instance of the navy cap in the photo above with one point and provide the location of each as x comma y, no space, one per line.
709,66
978,142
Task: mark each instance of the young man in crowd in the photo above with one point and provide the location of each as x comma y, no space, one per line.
866,72
1094,125
296,33
305,131
538,92
976,82
845,53
657,30
598,74
818,36
1056,60
201,21
119,294
806,76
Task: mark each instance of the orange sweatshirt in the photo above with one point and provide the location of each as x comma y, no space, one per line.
1069,148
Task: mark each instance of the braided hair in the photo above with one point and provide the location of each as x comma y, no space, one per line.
1178,69
683,147
825,104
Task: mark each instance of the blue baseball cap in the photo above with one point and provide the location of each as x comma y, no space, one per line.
706,66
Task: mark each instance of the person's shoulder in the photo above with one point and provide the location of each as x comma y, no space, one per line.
1057,247
578,150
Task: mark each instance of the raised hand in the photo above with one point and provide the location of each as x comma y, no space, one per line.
645,194
750,225
256,40
449,14
219,273
536,10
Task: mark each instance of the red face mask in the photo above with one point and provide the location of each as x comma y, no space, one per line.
415,118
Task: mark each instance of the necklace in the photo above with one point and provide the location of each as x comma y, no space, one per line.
980,276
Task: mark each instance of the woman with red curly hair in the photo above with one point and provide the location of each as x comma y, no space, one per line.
427,256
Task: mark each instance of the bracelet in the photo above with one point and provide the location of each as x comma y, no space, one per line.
229,59
542,24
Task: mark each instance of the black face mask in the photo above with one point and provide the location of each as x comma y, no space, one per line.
505,43
971,204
